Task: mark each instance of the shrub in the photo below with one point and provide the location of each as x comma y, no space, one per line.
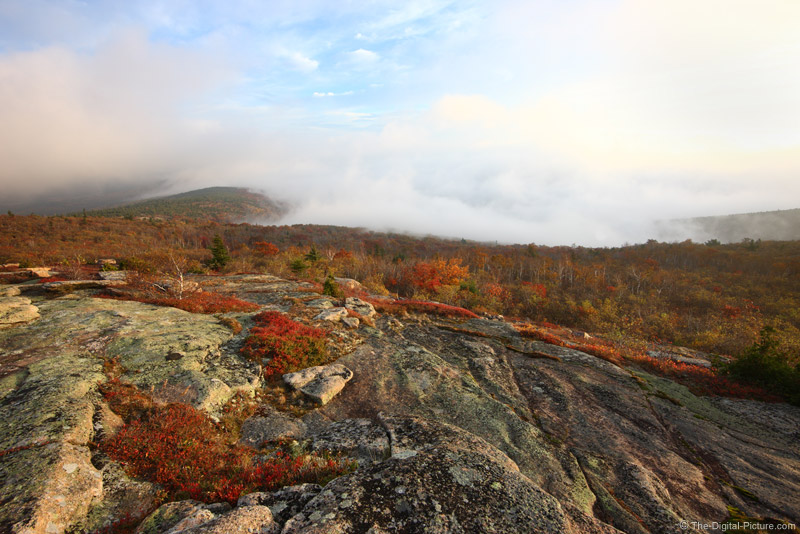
763,364
184,451
282,345
331,288
420,306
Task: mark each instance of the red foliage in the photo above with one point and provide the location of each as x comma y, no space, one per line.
196,302
266,248
24,447
701,380
429,276
282,345
184,451
538,289
599,349
731,312
434,308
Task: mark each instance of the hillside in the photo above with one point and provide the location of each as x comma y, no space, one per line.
782,225
223,204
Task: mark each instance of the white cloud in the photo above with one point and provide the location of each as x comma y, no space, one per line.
330,93
363,56
301,62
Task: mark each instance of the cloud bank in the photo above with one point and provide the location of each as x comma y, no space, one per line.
531,122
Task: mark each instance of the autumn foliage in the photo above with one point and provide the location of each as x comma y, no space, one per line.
433,308
191,457
282,345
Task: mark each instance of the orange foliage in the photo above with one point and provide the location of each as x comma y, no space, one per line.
430,276
266,248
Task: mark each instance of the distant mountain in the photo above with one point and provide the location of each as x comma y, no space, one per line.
781,225
224,204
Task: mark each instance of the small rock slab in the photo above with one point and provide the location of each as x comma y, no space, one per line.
360,438
9,291
17,310
362,307
72,285
284,503
678,358
322,304
194,517
114,275
320,383
332,314
258,430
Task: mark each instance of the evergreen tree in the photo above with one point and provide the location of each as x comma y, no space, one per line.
219,254
313,256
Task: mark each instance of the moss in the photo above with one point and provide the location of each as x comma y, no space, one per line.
743,492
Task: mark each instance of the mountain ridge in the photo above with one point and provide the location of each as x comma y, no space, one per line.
224,204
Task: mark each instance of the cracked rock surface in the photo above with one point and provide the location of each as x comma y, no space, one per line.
457,426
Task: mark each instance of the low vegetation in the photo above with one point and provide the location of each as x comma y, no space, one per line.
281,345
712,297
191,457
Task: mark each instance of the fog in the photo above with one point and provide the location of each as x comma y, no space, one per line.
526,123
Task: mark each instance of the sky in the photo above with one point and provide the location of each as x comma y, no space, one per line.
535,121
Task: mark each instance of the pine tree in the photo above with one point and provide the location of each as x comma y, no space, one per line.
219,254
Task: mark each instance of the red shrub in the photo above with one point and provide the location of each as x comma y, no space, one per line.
185,452
434,308
701,380
282,345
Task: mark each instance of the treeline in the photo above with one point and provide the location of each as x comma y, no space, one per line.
711,297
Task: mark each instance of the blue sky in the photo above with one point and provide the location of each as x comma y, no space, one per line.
520,121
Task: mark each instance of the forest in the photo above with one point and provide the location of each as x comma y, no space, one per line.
717,298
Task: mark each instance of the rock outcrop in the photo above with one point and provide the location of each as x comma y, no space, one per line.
456,426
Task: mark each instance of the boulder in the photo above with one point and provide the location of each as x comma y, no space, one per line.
351,322
362,307
41,272
332,314
320,383
350,284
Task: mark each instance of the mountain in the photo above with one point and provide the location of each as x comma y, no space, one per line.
224,204
780,225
